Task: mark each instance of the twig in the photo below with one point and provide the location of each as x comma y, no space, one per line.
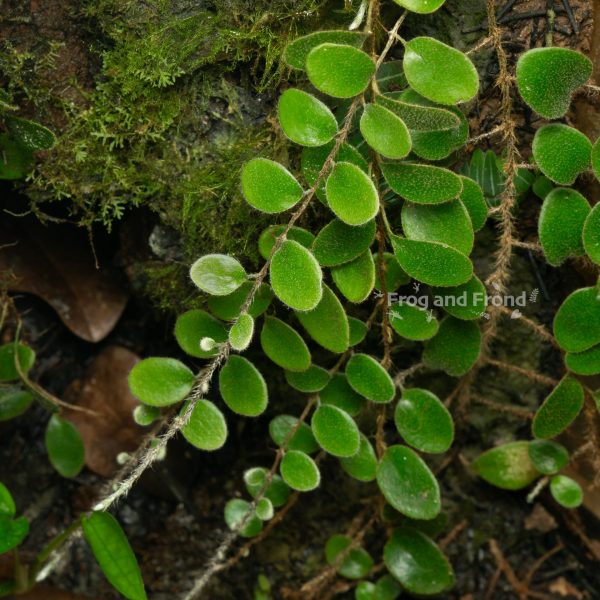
533,375
538,329
522,413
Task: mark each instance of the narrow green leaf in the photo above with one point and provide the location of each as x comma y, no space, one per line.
368,378
566,491
160,381
194,325
297,51
413,322
64,446
338,243
577,322
206,428
548,457
356,564
8,369
335,431
284,345
242,387
300,471
385,132
217,274
559,409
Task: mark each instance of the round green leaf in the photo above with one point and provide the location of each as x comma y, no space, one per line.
160,381
12,532
566,491
335,431
358,331
455,348
217,274
467,301
547,78
297,51
29,134
472,197
577,322
394,277
339,393
412,322
194,325
242,387
8,369
418,117
356,564
561,152
300,471
236,513
314,379
363,465
14,402
338,70
423,421
284,345
591,234
559,409
206,428
305,119
267,238
269,186
7,504
417,563
228,307
439,72
277,492
302,440
296,276
356,279
64,446
582,363
423,7
264,509
368,378
508,466
547,456
385,132
338,243
408,484
241,332
145,415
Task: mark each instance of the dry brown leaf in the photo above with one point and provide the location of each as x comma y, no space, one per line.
564,588
56,263
104,389
540,520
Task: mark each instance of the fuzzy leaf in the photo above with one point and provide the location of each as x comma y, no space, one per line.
335,431
418,117
356,564
194,325
423,7
277,492
466,301
236,513
394,277
13,402
591,234
596,159
160,381
242,387
267,238
241,332
508,466
577,322
385,132
566,491
206,428
339,393
338,243
363,465
314,379
412,322
474,201
64,446
217,274
297,51
356,279
547,456
583,363
265,510
559,409
29,134
367,377
228,307
284,345
300,471
302,440
8,369
7,504
358,331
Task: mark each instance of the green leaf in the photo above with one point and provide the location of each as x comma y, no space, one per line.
423,184
412,322
12,532
338,70
217,274
368,378
447,223
29,134
13,402
432,263
438,72
394,277
327,323
264,509
472,197
582,363
206,428
508,466
417,563
542,186
418,117
408,484
297,51
351,194
339,393
314,379
15,160
267,238
455,348
242,387
305,119
386,588
338,243
241,332
385,132
363,465
566,491
335,431
390,76
300,471
591,234
114,554
145,415
8,369
577,322
356,564
356,279
228,307
423,7
194,325
160,381
358,331
466,301
302,440
560,225
423,421
284,345
548,457
64,446
561,152
277,492
487,170
559,409
269,186
237,511
7,504
547,78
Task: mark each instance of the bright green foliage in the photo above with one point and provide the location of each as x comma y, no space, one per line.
356,279
561,152
413,322
269,186
591,234
394,274
596,158
7,504
408,484
566,491
241,332
277,492
417,117
194,325
160,381
488,171
30,135
217,274
239,518
145,415
64,446
327,323
438,72
358,331
547,78
297,51
542,186
242,387
296,276
8,369
385,132
368,378
206,428
472,307
314,379
300,471
432,263
284,345
335,431
560,225
455,348
15,160
228,307
472,197
305,119
447,223
351,194
264,509
338,70
547,456
508,466
577,322
424,184
114,554
421,6
355,565
302,440
13,402
267,238
12,532
423,421
339,393
417,563
363,465
559,409
386,588
584,363
338,243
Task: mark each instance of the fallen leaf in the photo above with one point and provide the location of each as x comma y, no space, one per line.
540,520
56,263
564,588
